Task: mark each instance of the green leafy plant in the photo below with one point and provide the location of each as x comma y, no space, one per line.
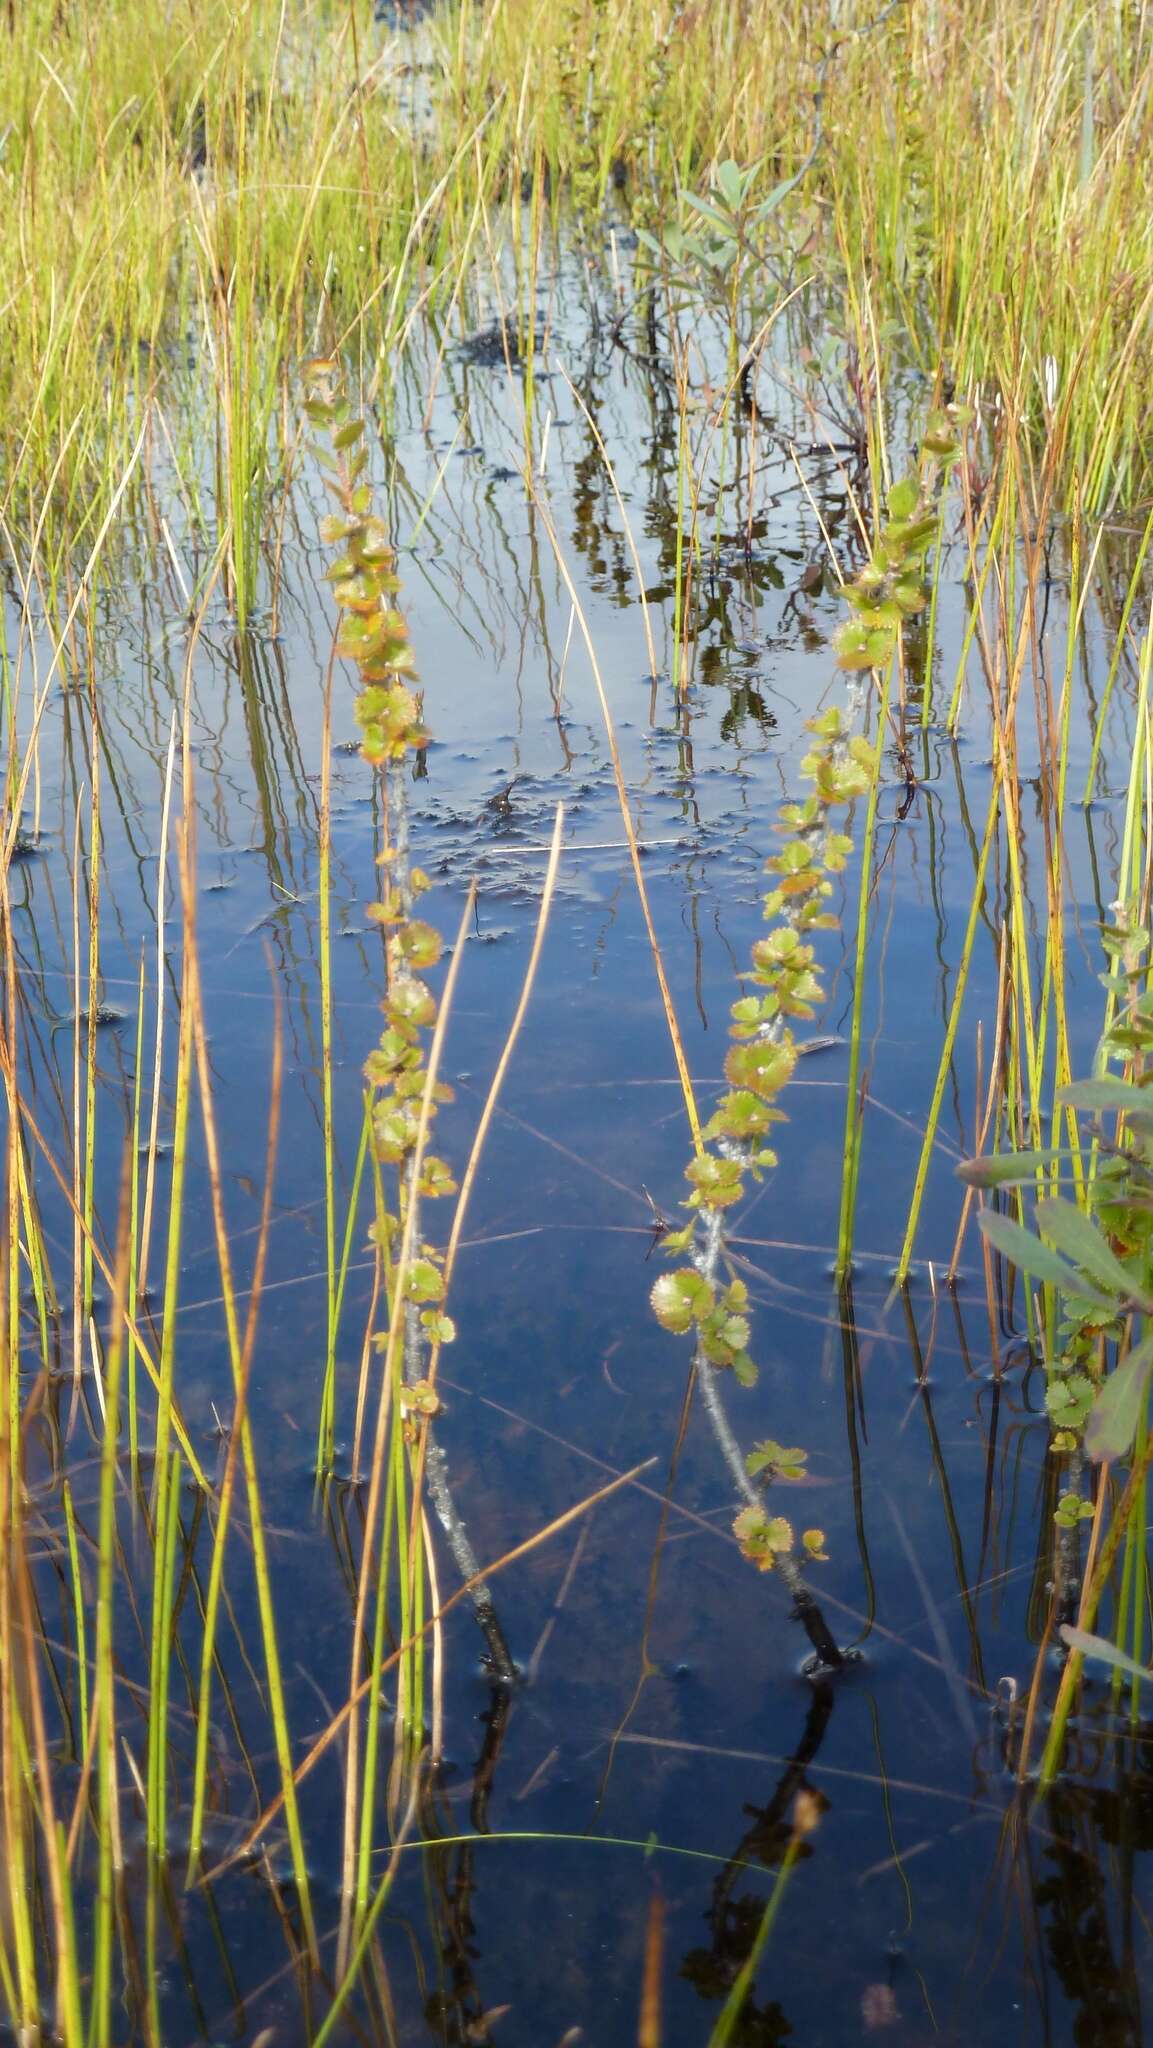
373,634
404,1094
705,1297
718,243
581,83
1093,1256
891,587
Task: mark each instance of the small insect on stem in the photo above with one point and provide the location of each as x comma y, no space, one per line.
660,1225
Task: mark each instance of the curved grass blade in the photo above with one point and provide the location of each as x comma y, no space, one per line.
1086,1645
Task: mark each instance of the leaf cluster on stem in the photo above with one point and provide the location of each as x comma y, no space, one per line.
704,1296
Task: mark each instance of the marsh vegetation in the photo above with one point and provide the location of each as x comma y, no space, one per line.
575,915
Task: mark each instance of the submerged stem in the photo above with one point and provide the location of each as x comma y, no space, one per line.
464,1557
436,1471
805,1606
1067,1549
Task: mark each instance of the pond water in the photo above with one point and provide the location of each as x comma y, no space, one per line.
664,1723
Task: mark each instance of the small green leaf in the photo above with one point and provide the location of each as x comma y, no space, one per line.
1117,1411
763,1538
1106,1093
903,498
675,1241
773,199
1079,1238
716,1182
1029,1255
778,1460
424,1281
858,648
761,1066
441,1329
704,206
435,1178
1007,1169
419,1397
730,184
680,1299
1068,1399
419,943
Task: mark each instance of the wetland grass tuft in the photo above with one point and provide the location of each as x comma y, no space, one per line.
218,171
